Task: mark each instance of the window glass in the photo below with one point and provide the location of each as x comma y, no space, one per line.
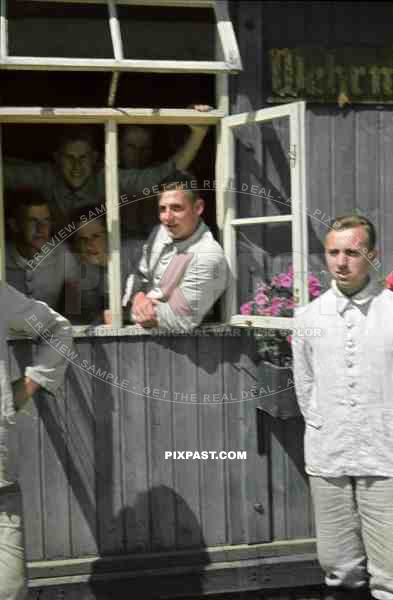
264,253
51,29
263,169
53,187
167,33
54,88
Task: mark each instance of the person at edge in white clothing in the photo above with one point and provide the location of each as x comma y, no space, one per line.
30,317
344,382
183,270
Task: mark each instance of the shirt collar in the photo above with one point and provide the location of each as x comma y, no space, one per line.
361,298
182,245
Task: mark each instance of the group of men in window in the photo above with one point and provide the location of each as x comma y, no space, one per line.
57,242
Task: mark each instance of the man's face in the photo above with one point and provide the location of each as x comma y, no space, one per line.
91,242
136,147
34,228
76,161
179,214
348,258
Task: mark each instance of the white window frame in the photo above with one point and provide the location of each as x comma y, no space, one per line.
110,118
225,33
297,217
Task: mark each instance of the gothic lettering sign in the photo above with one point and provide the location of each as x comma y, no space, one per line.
328,74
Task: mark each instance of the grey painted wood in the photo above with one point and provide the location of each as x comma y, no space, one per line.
96,471
135,449
107,449
213,492
81,453
386,187
28,464
161,493
55,499
183,354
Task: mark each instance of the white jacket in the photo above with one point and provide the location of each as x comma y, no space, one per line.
201,281
23,315
343,367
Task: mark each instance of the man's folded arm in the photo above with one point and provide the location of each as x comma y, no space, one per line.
204,281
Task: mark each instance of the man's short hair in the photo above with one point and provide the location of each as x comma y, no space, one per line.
88,213
17,201
350,221
181,180
77,133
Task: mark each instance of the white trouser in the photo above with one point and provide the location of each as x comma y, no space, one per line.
354,524
13,579
12,559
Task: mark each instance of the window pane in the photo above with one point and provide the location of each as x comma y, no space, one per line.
59,30
265,261
157,90
263,251
50,173
54,89
167,33
263,169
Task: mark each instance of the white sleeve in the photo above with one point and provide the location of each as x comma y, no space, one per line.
54,333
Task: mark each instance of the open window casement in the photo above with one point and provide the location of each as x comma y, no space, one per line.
52,74
118,36
262,212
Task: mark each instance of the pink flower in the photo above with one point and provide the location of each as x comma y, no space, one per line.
246,309
389,281
289,339
277,305
261,299
284,280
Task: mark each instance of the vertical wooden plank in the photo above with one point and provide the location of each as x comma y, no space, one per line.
256,468
28,463
213,492
386,185
344,162
318,23
367,165
162,498
108,468
55,505
134,446
319,180
185,438
278,479
298,496
235,433
81,453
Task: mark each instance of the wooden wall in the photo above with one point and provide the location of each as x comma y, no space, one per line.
349,151
96,485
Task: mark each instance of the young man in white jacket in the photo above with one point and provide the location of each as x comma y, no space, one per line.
19,314
183,270
344,382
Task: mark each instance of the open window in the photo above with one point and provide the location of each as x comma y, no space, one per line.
263,207
75,62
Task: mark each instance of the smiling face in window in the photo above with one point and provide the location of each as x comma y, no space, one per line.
76,161
179,212
91,243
